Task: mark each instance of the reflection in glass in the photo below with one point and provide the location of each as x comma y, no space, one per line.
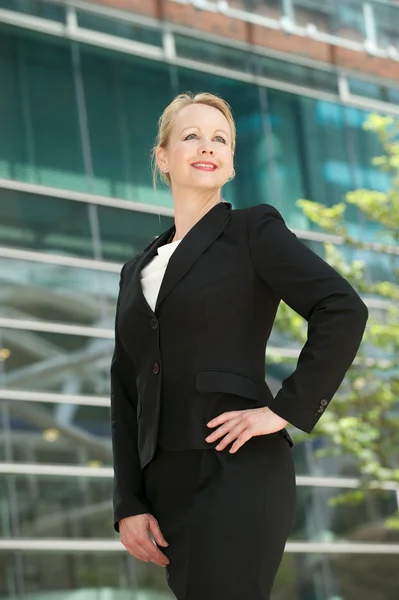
297,74
58,293
119,28
126,233
265,8
56,507
282,150
216,54
46,361
118,576
40,139
43,223
337,577
34,435
125,96
41,8
341,19
386,17
43,125
245,62
111,575
326,514
379,266
80,507
367,89
55,433
61,226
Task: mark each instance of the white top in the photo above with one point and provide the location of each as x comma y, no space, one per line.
152,274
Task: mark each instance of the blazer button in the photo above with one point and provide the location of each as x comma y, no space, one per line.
154,323
155,368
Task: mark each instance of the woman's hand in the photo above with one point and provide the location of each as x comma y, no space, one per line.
241,425
134,533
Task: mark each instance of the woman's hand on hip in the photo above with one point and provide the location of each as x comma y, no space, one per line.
134,533
241,425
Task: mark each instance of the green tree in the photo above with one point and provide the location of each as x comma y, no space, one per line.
363,419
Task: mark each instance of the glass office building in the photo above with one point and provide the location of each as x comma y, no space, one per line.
82,87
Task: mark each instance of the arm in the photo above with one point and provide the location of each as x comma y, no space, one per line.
335,313
129,497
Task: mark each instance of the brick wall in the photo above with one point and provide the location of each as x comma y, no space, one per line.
284,42
224,26
144,7
205,21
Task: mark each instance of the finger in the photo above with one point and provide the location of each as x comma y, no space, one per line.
215,435
240,441
141,553
137,551
143,548
142,556
224,417
232,435
155,553
223,430
157,533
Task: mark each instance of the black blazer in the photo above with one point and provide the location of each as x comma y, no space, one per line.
202,351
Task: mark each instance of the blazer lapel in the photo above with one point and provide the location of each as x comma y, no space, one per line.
138,299
194,243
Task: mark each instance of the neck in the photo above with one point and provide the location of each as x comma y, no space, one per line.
188,214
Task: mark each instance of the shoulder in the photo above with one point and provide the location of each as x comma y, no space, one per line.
266,226
261,211
257,211
257,215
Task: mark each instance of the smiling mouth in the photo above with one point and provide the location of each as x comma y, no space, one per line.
204,167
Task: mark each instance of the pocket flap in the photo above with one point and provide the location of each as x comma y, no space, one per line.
230,382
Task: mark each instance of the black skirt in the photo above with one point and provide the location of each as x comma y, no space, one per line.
226,516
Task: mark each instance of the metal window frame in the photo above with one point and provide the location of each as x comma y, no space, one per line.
100,545
53,398
85,197
73,32
55,259
19,468
287,23
133,206
52,327
107,333
151,22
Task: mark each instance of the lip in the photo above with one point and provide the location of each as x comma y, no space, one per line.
205,162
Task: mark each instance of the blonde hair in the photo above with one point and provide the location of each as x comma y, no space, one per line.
167,120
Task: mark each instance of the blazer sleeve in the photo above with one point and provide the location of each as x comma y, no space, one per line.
129,494
335,313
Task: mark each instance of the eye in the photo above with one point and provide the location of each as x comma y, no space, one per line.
218,136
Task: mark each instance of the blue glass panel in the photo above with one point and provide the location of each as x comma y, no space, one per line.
119,28
37,8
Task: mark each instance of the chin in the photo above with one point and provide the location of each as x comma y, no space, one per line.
209,183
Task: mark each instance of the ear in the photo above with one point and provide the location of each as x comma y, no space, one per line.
161,158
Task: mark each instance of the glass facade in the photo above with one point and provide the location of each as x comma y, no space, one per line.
344,23
77,122
292,146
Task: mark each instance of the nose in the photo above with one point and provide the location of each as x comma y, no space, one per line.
206,146
207,149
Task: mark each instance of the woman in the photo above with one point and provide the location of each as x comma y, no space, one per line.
202,459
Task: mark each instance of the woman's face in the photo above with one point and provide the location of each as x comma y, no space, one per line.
200,134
